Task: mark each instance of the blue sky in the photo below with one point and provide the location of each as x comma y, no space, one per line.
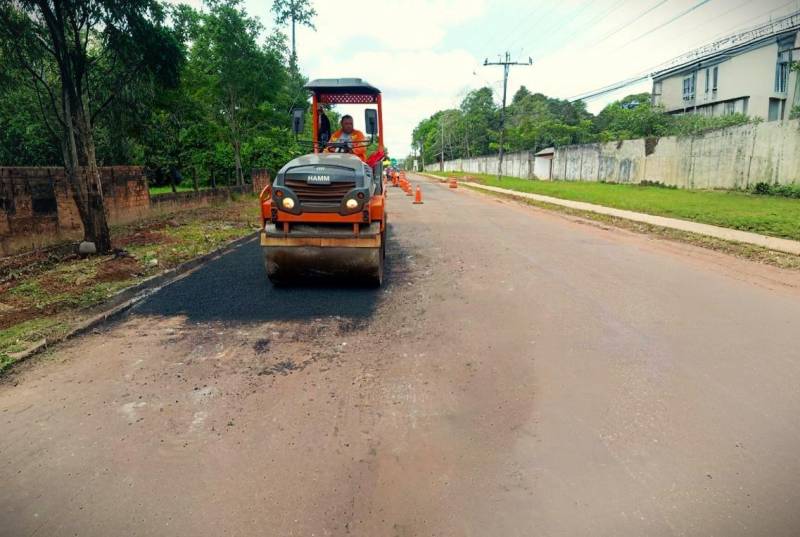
426,54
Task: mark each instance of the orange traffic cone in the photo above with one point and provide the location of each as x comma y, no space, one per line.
453,183
418,197
409,190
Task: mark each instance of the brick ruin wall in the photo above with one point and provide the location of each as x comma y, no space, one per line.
37,209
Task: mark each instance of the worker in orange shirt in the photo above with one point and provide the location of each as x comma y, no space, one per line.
348,140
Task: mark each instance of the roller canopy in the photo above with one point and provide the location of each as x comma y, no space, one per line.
339,86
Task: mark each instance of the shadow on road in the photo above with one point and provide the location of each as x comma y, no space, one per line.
235,288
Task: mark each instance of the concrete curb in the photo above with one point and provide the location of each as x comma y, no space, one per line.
129,297
764,241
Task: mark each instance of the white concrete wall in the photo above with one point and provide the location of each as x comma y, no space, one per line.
514,165
732,158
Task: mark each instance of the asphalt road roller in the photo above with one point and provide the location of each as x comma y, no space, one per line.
324,216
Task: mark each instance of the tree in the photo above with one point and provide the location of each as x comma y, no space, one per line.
480,119
632,117
77,56
240,82
22,134
298,12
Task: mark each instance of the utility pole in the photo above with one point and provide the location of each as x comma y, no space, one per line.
506,67
441,143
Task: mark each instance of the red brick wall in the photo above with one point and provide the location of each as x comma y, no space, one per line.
261,179
36,206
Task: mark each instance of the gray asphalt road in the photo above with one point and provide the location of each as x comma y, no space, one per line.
523,373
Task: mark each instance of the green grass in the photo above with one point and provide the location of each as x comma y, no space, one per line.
775,216
22,336
54,296
156,190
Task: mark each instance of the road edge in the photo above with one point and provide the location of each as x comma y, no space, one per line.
127,298
767,242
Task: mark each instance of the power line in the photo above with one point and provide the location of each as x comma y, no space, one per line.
598,18
507,64
746,35
516,36
698,5
634,20
608,12
488,41
739,26
513,39
589,95
573,29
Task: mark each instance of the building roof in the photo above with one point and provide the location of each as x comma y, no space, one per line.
546,151
355,86
721,50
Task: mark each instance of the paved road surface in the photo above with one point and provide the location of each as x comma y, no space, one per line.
522,374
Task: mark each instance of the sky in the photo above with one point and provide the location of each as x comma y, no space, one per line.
425,55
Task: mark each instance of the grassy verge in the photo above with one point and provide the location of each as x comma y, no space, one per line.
167,189
43,294
775,216
744,251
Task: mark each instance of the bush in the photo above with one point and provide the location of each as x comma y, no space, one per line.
795,112
762,189
657,184
786,191
693,124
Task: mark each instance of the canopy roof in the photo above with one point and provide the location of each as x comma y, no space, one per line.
340,86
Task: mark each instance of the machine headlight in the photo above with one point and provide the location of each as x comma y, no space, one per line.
351,203
288,203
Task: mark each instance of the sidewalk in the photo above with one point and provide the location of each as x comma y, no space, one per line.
772,243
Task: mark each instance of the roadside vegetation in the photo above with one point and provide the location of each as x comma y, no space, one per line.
768,215
200,93
169,189
768,189
535,121
45,293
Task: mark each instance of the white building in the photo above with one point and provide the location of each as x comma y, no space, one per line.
748,73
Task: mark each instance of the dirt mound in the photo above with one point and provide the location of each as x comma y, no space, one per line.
142,237
118,269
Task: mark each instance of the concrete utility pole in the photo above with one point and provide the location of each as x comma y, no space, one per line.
441,158
506,67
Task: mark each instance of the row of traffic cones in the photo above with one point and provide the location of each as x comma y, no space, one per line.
399,180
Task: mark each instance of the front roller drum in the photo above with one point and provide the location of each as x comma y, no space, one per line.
292,264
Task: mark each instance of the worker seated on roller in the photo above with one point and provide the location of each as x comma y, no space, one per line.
348,140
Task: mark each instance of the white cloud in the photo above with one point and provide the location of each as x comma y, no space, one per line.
414,83
393,25
393,45
418,51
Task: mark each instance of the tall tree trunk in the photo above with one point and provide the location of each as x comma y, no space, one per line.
80,164
72,168
195,184
96,227
237,157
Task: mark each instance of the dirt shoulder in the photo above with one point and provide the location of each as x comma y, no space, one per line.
44,294
741,250
769,215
